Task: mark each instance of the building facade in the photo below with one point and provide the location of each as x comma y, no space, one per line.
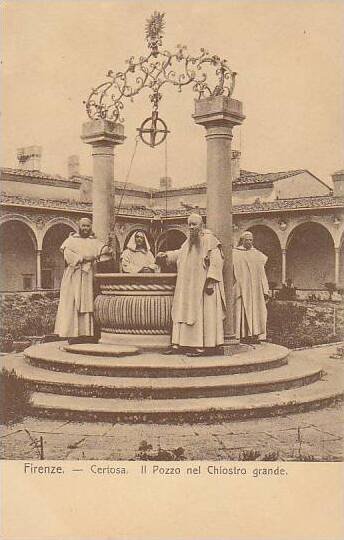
296,219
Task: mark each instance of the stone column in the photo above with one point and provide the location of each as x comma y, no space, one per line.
103,136
38,269
284,265
219,115
336,265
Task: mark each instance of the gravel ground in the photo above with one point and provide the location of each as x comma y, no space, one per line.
316,435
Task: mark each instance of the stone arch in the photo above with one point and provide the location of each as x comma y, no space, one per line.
301,220
310,259
52,262
271,224
268,242
60,221
32,230
170,239
18,243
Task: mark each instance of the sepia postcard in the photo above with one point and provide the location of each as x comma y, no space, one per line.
172,270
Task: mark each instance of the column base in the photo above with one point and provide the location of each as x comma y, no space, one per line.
231,346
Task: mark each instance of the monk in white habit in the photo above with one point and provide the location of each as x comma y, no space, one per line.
137,257
198,309
81,250
250,291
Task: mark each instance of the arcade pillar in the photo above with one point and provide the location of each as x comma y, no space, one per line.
219,114
336,265
103,136
284,265
38,269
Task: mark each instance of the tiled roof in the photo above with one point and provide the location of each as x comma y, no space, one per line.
68,205
44,177
257,178
32,174
120,185
304,203
22,200
301,203
246,178
133,187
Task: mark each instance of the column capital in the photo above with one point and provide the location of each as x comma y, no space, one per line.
216,111
101,132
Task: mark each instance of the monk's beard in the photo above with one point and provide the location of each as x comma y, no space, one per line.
194,239
84,234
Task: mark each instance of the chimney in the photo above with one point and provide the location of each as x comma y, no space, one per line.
29,158
165,182
338,183
73,166
235,163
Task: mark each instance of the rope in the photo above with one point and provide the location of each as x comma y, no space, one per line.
122,195
166,177
128,175
142,331
138,287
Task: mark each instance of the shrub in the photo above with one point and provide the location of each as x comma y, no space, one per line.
15,397
6,343
146,452
249,455
285,315
331,287
27,316
296,324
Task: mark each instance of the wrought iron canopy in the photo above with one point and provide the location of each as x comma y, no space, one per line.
159,68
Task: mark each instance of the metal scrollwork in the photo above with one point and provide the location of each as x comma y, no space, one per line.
209,75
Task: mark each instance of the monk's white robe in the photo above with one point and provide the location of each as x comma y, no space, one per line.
250,286
132,261
198,317
75,312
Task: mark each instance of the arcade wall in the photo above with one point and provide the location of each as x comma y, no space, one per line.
18,263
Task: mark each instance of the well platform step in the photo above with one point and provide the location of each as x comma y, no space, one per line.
53,356
295,374
321,393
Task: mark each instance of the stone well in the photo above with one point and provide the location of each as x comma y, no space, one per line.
134,306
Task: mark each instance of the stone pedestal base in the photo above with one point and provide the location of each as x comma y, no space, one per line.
143,343
233,347
102,349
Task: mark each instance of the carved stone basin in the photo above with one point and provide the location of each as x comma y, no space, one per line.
135,304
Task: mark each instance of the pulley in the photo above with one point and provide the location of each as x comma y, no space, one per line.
153,130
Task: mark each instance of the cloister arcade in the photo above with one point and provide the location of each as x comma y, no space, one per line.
308,250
